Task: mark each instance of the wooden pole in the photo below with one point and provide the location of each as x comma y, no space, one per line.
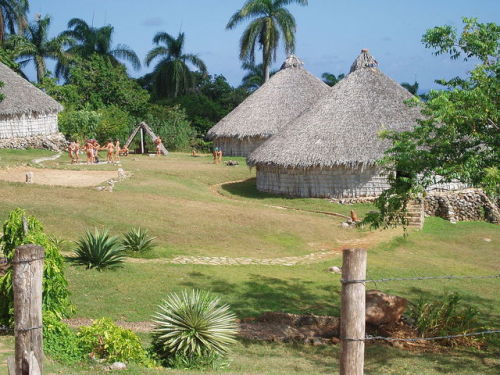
352,318
142,140
27,283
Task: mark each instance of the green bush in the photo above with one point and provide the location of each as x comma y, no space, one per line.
60,342
99,250
55,297
105,340
172,125
114,123
138,240
193,329
82,124
443,316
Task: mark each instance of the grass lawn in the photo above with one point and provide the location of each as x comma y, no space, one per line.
183,202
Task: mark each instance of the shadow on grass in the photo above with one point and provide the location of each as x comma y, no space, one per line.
248,189
261,293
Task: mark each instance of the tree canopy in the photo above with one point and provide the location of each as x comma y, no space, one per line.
458,137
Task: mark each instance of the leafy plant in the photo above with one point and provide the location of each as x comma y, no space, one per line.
443,316
99,250
105,340
18,231
60,342
138,240
193,329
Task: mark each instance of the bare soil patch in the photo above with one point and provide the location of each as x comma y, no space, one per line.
58,177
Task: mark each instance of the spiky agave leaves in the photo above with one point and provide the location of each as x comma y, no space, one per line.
193,324
99,250
138,240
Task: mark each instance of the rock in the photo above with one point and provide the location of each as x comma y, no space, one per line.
487,239
335,269
345,225
118,366
383,308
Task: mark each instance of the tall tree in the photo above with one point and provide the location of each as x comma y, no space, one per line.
34,45
91,40
413,89
270,20
172,75
331,79
458,137
254,77
12,17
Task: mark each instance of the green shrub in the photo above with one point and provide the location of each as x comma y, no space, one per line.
443,316
99,250
193,329
138,240
80,124
55,297
105,340
60,342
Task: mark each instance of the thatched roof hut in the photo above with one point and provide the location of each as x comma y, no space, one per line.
331,150
25,110
268,110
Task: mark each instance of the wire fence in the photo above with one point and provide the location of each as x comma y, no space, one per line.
373,338
448,277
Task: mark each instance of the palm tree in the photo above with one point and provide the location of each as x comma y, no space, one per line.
413,89
90,40
331,79
35,45
255,76
270,19
171,75
12,15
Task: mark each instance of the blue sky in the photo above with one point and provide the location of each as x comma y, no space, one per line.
330,33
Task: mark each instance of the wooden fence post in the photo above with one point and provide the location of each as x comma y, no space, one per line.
352,317
27,283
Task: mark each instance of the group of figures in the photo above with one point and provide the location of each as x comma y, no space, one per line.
217,154
92,148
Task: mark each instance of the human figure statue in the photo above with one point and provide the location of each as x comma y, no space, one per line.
117,150
89,151
158,146
354,216
71,151
110,147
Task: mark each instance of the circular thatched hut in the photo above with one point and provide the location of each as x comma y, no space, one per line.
268,110
331,150
25,111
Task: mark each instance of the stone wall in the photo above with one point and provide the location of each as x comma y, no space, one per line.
463,205
238,147
28,125
53,142
339,182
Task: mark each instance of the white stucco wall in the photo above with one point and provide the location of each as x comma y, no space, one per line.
28,125
336,182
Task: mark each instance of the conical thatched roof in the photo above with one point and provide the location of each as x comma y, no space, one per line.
285,96
22,97
342,128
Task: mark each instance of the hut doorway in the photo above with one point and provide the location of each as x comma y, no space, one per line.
144,130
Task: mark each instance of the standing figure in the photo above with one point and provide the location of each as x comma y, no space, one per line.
89,151
111,150
71,151
219,156
97,147
158,146
215,154
76,152
117,150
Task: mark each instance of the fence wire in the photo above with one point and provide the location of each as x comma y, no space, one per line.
372,338
449,277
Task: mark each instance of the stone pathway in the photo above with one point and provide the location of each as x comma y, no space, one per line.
49,158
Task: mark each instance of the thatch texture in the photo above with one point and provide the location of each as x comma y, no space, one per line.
22,98
268,110
342,128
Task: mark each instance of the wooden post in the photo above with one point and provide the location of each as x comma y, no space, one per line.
142,140
27,283
352,318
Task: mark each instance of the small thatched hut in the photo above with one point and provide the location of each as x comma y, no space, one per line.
268,110
331,150
25,110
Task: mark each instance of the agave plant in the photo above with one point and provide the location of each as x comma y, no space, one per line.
193,325
99,250
138,240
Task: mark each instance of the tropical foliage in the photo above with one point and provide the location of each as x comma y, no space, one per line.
138,240
331,79
35,46
458,137
171,75
254,78
99,250
192,325
270,21
60,342
12,17
55,296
